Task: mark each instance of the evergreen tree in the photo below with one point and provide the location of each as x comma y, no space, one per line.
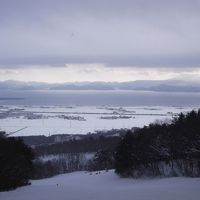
123,158
15,163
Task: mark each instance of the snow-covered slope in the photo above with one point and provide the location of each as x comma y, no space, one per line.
106,186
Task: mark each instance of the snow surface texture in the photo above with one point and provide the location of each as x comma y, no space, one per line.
47,120
106,186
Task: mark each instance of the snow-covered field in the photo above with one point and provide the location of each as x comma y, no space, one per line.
48,120
106,186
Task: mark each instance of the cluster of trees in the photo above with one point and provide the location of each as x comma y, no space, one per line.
69,162
15,163
162,149
44,169
19,162
61,163
71,156
103,160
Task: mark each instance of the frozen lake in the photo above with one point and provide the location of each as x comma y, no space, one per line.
98,97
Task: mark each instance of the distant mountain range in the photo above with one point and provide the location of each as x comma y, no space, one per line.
140,85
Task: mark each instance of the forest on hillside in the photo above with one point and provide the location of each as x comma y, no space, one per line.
162,149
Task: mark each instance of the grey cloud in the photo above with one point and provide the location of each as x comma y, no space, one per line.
153,33
171,61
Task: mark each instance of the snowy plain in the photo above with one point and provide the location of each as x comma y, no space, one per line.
106,186
50,120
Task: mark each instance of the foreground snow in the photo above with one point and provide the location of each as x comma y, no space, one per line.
106,186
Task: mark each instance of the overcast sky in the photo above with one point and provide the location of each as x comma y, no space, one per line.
104,40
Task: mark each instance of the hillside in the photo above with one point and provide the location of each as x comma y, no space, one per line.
106,186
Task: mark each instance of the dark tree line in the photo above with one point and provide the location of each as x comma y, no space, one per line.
150,150
89,144
36,140
15,163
